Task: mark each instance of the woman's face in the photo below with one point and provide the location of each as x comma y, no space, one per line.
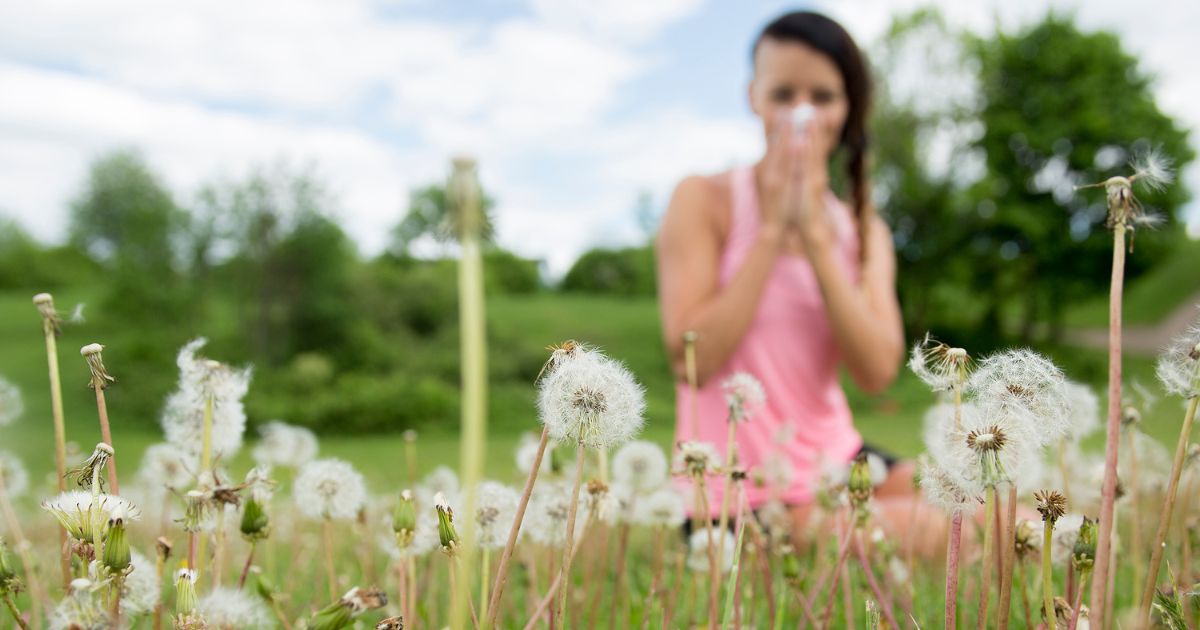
788,73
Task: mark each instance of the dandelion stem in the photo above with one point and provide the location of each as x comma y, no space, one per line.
484,575
246,567
1083,577
568,555
50,332
410,600
727,483
16,614
1135,525
331,577
837,571
502,568
989,532
553,590
1024,586
1168,506
1047,571
1109,487
954,547
713,568
197,559
884,601
1009,553
106,433
735,570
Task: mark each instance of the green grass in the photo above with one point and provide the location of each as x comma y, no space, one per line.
1150,297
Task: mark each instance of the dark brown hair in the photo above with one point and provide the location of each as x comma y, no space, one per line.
829,38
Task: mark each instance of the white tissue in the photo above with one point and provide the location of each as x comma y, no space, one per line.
803,113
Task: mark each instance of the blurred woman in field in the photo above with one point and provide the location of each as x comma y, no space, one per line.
778,276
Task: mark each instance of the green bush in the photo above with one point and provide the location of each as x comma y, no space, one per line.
628,271
505,272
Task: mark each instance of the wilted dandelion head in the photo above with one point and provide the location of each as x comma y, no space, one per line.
1051,504
284,445
697,458
13,476
329,488
496,508
76,511
1179,365
199,380
1008,383
697,559
986,440
590,399
743,394
939,365
92,353
166,465
11,404
640,464
233,609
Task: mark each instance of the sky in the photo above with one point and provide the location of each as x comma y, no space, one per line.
571,107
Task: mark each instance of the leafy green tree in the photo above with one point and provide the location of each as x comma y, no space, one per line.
628,271
1062,107
429,215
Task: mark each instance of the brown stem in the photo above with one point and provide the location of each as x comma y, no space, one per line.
106,434
837,572
618,592
1078,601
1010,553
246,567
598,564
1113,436
885,603
502,567
16,614
569,555
648,607
712,552
764,561
989,533
330,574
551,592
954,547
1164,522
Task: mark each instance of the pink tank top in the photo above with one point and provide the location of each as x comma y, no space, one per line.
791,349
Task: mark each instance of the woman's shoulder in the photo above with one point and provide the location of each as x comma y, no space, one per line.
705,198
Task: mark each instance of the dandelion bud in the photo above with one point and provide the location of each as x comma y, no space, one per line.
791,564
196,507
404,519
9,583
446,532
1084,553
116,556
185,591
354,603
100,376
255,523
860,485
265,587
1025,538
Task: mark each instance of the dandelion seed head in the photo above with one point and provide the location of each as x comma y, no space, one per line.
1178,367
697,458
592,399
497,508
11,404
284,445
640,464
183,414
697,559
526,452
661,508
1051,504
140,591
1025,391
942,490
80,610
13,475
329,488
165,465
1085,411
743,394
233,609
549,508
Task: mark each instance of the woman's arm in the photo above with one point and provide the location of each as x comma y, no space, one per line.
688,249
865,317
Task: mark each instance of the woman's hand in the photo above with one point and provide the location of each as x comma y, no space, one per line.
776,175
809,181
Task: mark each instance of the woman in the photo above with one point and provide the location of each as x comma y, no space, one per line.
778,277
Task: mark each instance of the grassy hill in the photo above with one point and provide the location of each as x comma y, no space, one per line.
1150,297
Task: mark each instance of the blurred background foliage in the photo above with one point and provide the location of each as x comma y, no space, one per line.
975,172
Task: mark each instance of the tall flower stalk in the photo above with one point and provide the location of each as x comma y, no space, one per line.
743,394
100,382
465,206
1125,212
1179,370
1052,506
51,328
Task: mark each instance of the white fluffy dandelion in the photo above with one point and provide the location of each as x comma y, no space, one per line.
943,492
1013,381
591,399
697,458
1152,168
140,590
165,465
495,511
641,465
1085,411
442,480
329,488
697,559
743,394
11,404
13,474
232,609
1179,365
82,608
183,416
661,508
284,445
546,519
938,365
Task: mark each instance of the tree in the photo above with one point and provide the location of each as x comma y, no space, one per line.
428,215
